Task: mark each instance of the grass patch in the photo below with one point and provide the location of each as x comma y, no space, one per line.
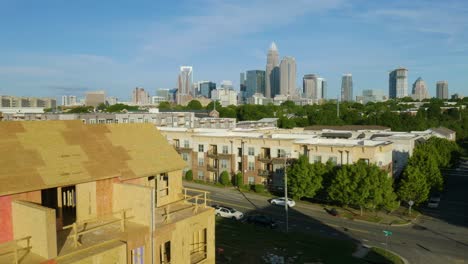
380,255
245,243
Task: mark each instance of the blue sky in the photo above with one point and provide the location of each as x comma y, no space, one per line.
51,48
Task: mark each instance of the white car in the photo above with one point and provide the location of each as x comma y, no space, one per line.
227,212
281,201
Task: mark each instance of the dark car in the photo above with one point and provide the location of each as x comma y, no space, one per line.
333,211
261,220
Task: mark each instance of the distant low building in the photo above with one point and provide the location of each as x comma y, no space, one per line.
95,98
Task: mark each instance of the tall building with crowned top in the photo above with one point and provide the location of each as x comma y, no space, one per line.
419,91
184,92
272,72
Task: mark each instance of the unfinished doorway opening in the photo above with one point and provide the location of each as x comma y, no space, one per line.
68,205
49,198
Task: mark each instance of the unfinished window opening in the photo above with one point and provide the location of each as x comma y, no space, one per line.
68,205
138,255
165,256
164,183
198,246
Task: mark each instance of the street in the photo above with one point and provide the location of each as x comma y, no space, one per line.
438,236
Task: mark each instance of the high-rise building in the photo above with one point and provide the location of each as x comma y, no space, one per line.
442,90
371,96
225,96
184,92
112,100
272,72
347,87
255,83
65,100
419,91
398,83
72,100
226,84
95,98
288,76
165,93
206,87
140,96
314,87
243,87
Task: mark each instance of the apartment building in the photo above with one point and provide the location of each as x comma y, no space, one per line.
16,101
160,119
104,193
260,155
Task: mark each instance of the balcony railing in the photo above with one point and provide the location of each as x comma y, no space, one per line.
183,149
12,247
75,234
212,154
197,199
212,167
264,172
264,158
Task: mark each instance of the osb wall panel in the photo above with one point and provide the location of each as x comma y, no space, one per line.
6,223
40,155
104,193
86,201
33,220
114,252
136,197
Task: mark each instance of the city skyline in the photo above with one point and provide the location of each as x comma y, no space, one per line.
147,49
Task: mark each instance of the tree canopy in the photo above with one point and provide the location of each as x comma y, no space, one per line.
305,179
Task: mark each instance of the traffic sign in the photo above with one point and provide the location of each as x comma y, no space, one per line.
387,233
411,203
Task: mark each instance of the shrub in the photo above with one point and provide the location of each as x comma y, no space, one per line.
189,175
238,180
224,178
259,188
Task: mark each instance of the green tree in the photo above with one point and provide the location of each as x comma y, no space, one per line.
426,162
194,105
305,179
363,185
224,178
120,107
413,186
189,175
101,107
238,180
164,105
81,109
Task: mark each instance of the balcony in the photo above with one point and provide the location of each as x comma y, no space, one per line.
214,168
278,160
19,251
193,201
184,149
264,158
212,154
264,173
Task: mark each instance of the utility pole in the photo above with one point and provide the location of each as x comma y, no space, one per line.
286,192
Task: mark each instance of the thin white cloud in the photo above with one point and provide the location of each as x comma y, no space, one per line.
223,21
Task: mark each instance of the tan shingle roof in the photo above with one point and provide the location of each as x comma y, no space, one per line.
39,155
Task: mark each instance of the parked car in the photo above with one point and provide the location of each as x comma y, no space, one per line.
261,220
281,201
227,212
435,197
433,203
333,212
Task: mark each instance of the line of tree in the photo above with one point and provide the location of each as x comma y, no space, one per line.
367,186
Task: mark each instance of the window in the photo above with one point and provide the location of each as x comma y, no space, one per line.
333,160
125,120
140,120
317,159
251,151
109,121
101,121
224,164
92,121
365,161
200,148
201,175
146,120
239,152
251,180
165,256
164,182
225,150
198,246
186,144
185,156
201,161
132,120
137,255
251,166
281,153
116,121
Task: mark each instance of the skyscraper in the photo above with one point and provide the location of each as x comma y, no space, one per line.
206,88
288,76
347,87
255,83
314,87
272,72
242,87
185,84
419,91
140,96
398,83
442,90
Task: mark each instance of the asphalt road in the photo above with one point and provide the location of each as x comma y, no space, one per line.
439,236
